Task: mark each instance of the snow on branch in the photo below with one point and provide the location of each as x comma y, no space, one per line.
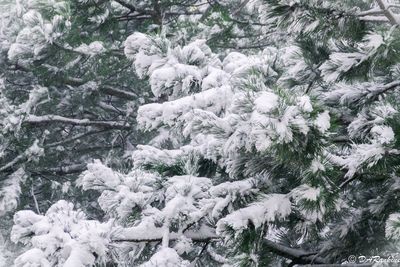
62,235
215,100
385,7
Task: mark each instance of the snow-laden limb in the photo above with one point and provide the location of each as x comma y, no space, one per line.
305,192
13,115
171,71
63,236
38,33
236,188
363,154
215,100
379,139
340,63
10,191
32,153
99,177
120,193
393,226
33,257
359,93
385,8
370,118
272,207
309,202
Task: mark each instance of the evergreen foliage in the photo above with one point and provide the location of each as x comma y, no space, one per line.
198,133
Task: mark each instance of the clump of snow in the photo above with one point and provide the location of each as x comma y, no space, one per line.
10,191
92,49
340,62
215,78
266,102
322,121
120,193
166,257
383,134
316,166
136,42
233,61
304,103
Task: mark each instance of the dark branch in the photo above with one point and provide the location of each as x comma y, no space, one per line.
298,256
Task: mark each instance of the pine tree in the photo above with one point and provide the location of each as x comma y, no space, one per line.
259,133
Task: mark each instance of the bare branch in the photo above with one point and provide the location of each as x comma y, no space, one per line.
117,92
37,120
127,5
62,170
13,162
35,200
74,138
